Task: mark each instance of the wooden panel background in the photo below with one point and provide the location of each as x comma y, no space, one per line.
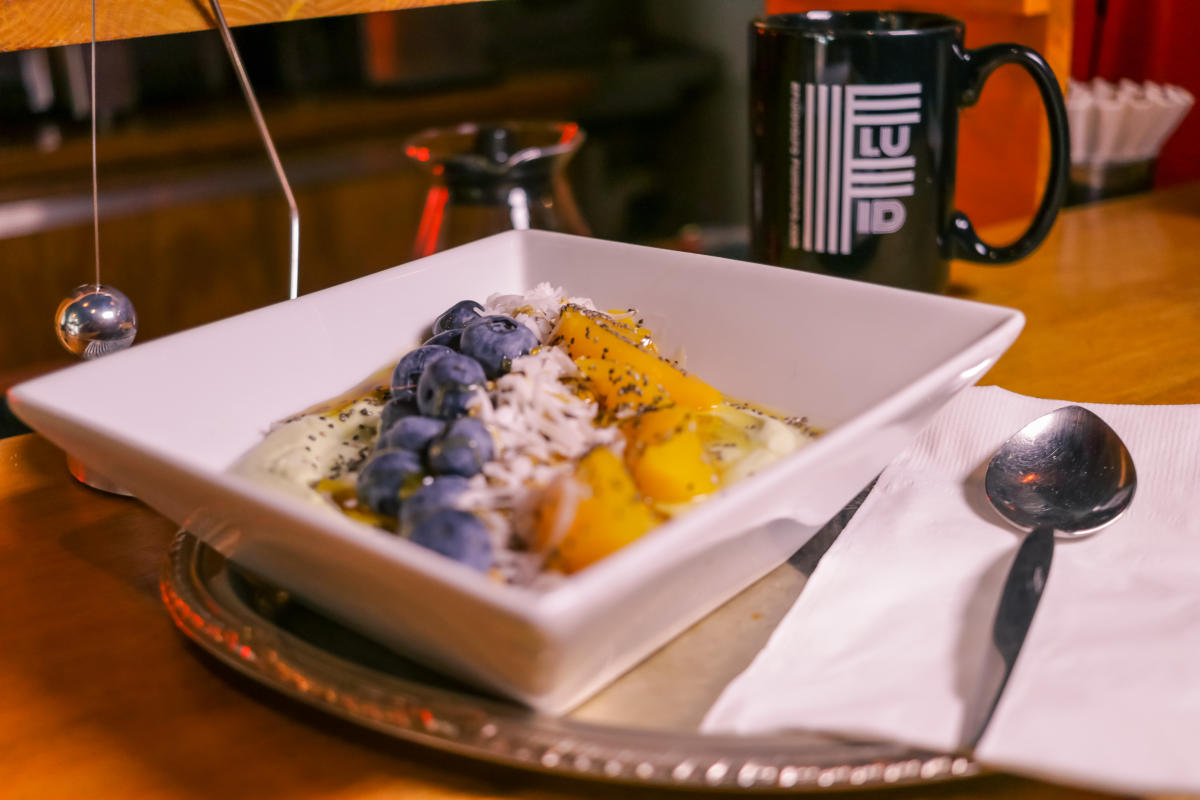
26,24
191,262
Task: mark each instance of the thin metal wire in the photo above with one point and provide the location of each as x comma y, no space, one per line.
293,210
95,181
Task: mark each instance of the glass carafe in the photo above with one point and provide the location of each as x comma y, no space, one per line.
493,178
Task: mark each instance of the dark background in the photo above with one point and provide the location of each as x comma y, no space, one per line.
193,227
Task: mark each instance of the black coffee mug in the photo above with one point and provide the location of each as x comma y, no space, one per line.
854,125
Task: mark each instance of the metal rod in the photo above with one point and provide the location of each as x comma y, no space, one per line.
95,181
293,210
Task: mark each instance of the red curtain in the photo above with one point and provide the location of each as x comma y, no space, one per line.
1146,40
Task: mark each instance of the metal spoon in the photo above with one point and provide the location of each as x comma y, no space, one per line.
1065,473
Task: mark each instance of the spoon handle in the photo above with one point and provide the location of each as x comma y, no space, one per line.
1022,592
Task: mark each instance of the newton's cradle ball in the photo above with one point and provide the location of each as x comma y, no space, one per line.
95,320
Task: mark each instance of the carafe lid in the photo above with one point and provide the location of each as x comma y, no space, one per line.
491,151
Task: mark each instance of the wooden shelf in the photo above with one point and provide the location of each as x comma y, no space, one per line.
171,136
1018,8
27,24
190,209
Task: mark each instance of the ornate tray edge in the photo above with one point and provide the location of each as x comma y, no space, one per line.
504,734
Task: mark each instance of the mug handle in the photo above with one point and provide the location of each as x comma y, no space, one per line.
961,240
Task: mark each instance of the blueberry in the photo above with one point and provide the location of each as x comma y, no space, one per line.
394,411
462,449
432,496
386,474
408,372
457,316
411,433
449,339
495,341
447,385
457,534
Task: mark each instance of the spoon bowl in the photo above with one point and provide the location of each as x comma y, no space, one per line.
1067,470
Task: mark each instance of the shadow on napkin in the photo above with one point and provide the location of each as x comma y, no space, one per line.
974,640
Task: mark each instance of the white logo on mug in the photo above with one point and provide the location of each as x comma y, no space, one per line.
856,162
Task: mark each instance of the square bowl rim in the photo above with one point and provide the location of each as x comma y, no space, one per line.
545,607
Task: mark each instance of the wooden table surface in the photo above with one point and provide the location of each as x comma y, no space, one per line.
101,698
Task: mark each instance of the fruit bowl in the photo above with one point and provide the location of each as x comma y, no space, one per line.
867,365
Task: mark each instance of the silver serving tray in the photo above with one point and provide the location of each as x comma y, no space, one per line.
642,729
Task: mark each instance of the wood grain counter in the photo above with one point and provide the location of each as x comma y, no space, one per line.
101,698
1112,303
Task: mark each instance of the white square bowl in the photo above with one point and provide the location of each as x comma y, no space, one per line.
867,365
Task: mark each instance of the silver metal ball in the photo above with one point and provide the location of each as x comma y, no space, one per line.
95,320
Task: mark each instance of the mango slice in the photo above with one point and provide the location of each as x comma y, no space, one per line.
657,426
666,456
620,388
588,335
605,511
674,471
637,334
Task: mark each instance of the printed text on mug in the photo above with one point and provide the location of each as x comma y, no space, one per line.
857,164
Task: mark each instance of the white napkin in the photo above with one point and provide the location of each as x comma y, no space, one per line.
888,638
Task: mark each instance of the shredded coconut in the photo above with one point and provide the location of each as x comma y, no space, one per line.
538,309
540,427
